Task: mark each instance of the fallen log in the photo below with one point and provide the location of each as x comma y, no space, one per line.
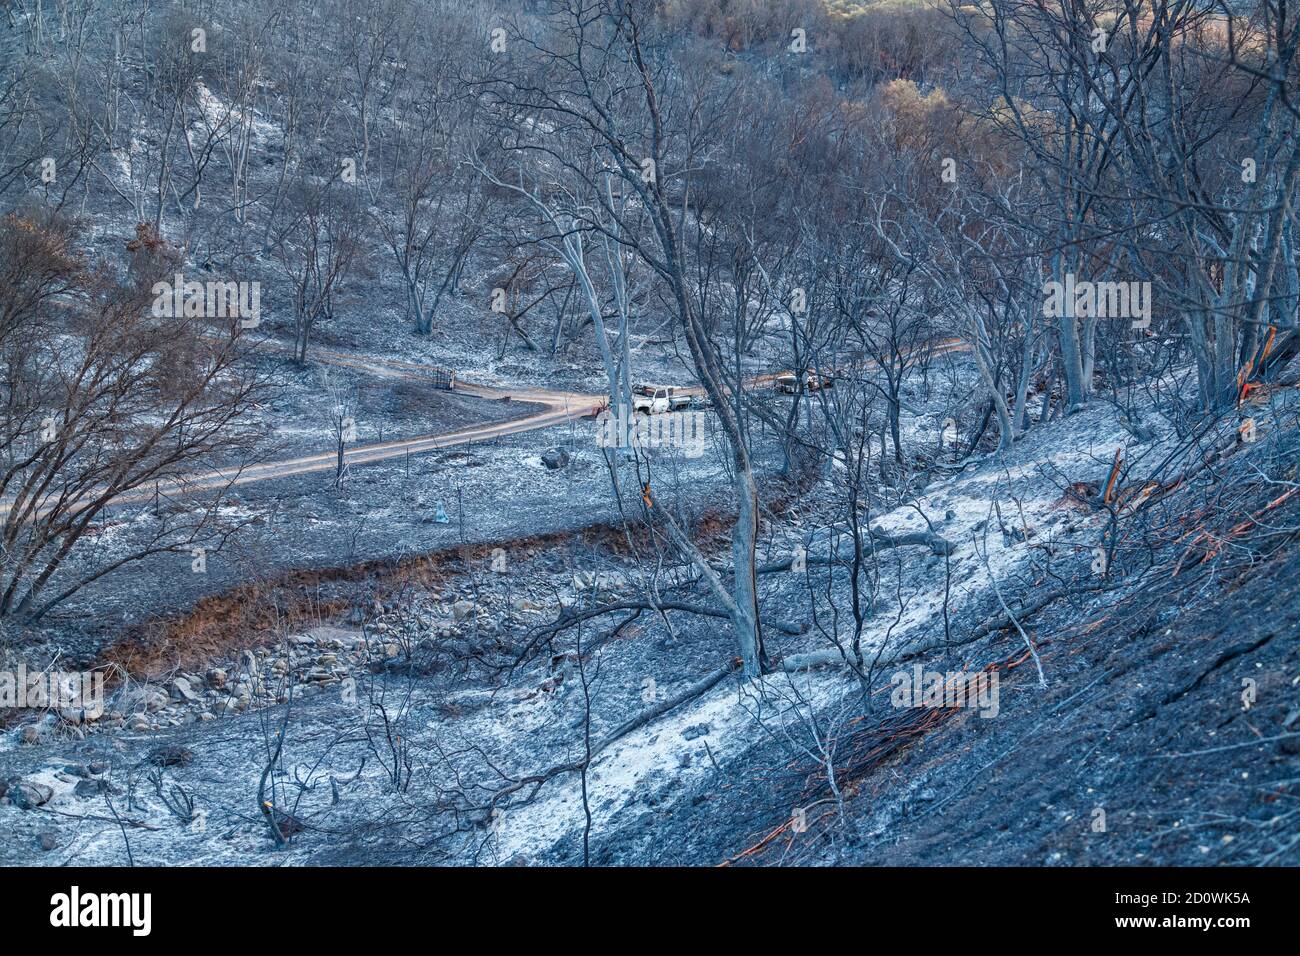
879,540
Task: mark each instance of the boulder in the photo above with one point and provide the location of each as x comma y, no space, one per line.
328,634
696,730
142,697
30,734
555,458
91,788
80,715
28,795
182,690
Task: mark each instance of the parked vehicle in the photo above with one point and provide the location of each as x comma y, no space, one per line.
788,382
662,398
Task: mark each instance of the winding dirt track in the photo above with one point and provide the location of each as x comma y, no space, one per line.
559,407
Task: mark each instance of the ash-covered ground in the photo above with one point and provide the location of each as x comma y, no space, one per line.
450,710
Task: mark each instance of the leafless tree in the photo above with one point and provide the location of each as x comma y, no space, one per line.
105,399
316,243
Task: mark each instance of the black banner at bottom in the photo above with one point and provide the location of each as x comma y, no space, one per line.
342,905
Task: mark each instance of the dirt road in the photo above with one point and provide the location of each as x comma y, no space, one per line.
559,407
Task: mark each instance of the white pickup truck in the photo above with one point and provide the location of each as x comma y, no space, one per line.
658,399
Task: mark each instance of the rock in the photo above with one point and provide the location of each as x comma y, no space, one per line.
91,788
555,458
47,840
929,793
29,796
217,678
328,633
182,690
137,722
170,755
696,730
142,697
80,715
462,609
